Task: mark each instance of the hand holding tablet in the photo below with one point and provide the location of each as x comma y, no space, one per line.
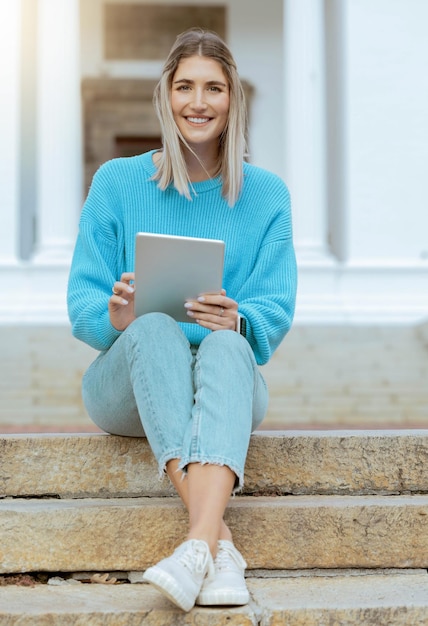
171,269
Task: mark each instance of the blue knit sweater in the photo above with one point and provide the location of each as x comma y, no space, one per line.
259,270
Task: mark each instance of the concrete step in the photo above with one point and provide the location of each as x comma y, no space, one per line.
281,462
345,600
290,532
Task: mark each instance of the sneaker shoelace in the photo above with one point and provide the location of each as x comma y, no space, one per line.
195,559
227,553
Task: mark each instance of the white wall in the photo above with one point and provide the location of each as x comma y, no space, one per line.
10,16
387,129
377,149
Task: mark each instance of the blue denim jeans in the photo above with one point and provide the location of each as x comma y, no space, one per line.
198,404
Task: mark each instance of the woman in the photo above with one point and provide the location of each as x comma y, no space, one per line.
196,393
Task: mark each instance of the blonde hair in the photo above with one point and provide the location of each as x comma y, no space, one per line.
232,142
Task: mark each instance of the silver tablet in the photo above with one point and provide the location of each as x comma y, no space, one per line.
170,269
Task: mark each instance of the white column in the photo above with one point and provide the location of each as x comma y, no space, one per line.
59,129
387,131
305,132
10,24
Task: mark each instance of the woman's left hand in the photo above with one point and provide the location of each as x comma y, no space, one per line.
214,311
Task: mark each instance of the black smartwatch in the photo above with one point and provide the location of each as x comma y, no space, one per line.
241,326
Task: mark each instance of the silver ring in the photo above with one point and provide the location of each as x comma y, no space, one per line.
221,311
116,293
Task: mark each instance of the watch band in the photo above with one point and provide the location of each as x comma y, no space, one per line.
241,326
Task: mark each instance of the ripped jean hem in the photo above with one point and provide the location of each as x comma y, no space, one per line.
164,460
221,462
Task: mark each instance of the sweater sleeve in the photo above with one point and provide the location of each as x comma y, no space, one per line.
267,298
95,267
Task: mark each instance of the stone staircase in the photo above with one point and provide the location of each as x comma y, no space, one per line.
333,525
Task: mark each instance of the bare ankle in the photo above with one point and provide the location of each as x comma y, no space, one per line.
208,538
225,533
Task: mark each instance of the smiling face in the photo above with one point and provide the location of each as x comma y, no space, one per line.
200,101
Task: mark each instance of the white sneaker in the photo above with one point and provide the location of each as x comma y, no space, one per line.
227,586
180,576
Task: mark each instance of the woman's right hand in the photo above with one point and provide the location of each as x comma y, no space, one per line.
121,303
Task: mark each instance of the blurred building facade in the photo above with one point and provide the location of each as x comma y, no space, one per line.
338,99
338,109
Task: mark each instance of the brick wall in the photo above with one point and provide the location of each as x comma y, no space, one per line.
350,376
320,376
